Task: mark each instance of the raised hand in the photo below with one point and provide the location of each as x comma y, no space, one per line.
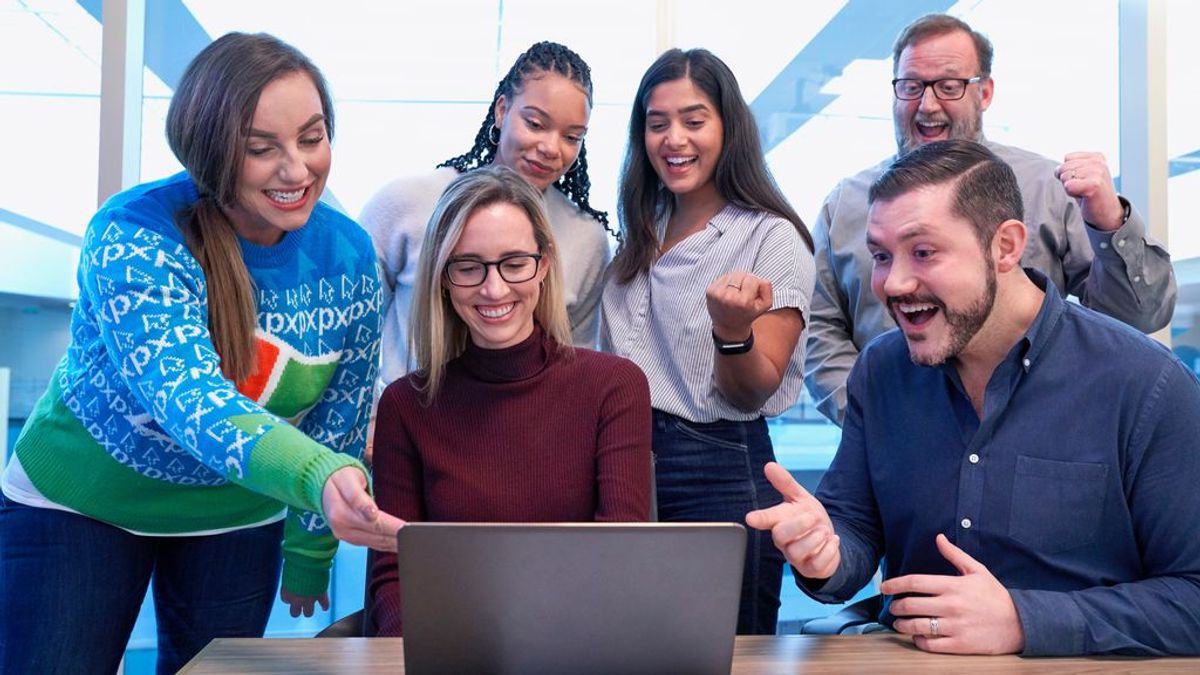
1085,176
800,527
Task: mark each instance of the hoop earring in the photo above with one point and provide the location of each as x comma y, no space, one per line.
496,140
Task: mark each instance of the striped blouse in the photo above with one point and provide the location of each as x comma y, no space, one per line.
660,320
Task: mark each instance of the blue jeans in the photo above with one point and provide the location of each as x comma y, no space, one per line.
71,588
714,472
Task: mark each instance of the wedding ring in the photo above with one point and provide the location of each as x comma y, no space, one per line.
933,626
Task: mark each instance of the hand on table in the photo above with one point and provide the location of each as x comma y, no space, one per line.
967,614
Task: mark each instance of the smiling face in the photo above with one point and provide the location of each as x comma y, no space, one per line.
930,271
542,128
684,136
498,313
929,118
286,161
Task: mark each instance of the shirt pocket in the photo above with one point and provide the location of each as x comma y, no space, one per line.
1056,505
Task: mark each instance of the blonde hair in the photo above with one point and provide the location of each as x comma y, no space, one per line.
436,333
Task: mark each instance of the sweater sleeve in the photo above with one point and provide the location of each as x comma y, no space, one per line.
152,315
623,447
338,422
399,490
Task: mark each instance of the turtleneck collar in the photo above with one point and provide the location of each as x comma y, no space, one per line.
511,364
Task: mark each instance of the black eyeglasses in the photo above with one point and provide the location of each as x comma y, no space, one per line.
946,89
514,269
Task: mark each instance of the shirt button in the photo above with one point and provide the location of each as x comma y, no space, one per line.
1026,362
966,523
1120,242
1137,278
1104,244
973,458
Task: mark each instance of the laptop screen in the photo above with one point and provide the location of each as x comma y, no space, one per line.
570,598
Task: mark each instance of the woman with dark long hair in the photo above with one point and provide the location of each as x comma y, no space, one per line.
535,125
709,292
214,398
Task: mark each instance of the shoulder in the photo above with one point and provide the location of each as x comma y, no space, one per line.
344,227
595,366
885,355
1104,339
403,393
1025,164
568,220
407,196
847,201
153,206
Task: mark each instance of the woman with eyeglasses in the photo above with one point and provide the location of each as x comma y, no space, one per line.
709,293
535,126
502,420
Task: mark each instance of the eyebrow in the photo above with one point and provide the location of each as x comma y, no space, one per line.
699,107
317,117
911,233
543,113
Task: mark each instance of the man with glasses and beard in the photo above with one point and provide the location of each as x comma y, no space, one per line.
1024,466
1085,237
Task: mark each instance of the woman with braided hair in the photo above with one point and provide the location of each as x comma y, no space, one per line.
535,126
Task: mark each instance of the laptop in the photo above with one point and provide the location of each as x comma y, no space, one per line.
570,598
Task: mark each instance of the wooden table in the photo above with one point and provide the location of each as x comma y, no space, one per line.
875,653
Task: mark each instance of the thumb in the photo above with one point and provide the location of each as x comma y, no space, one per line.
964,563
352,486
783,481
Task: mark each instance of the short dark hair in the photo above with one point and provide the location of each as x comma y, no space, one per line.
741,175
932,25
985,188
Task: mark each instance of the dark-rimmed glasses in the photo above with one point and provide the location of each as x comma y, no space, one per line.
468,272
946,89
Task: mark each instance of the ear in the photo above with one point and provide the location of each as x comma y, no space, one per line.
987,89
1008,244
500,110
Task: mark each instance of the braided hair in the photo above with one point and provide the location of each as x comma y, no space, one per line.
543,57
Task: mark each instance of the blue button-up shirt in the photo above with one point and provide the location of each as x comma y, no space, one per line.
1079,488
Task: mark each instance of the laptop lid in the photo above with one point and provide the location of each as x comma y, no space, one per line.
570,598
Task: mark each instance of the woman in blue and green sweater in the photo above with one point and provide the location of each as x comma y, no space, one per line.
222,354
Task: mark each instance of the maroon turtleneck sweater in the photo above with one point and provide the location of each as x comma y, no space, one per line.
523,434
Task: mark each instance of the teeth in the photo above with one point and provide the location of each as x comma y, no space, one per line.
285,197
496,312
914,308
679,161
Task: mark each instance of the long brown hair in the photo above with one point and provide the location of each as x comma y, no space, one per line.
207,124
741,176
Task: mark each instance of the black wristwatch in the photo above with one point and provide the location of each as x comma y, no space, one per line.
731,348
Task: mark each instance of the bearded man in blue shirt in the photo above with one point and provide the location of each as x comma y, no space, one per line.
1025,467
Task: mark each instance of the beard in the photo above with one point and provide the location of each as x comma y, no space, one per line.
961,129
962,324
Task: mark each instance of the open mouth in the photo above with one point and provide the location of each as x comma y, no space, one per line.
931,129
680,163
496,311
287,198
916,313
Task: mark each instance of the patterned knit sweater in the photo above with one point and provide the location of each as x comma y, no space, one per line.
140,429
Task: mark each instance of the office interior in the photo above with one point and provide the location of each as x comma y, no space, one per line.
86,84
